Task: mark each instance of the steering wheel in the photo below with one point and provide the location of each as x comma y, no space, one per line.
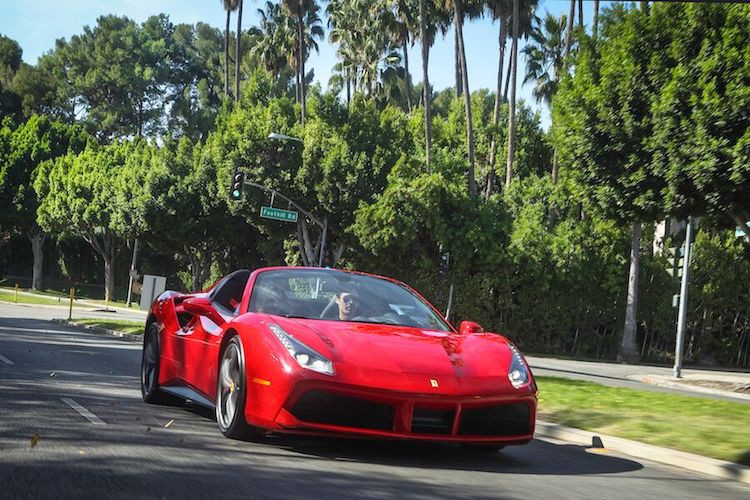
329,312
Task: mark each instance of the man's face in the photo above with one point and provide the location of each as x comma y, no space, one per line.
347,305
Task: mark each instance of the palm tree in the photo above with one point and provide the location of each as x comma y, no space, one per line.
229,6
500,10
308,22
595,28
457,6
545,63
545,57
237,56
569,33
401,23
512,106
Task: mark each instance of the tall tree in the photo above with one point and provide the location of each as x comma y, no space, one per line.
305,13
37,140
238,53
512,106
500,11
229,6
116,76
545,63
99,195
457,6
613,162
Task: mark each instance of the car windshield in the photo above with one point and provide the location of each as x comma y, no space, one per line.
341,296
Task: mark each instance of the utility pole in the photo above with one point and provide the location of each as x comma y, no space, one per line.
682,316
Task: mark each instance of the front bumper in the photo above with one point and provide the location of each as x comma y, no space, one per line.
315,408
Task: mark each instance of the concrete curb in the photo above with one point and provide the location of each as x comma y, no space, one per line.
133,337
681,459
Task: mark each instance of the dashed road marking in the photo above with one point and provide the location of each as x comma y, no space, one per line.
6,360
83,411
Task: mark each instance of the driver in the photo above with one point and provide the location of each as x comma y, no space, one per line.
348,303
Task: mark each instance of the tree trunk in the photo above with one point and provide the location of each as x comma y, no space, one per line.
457,52
301,35
109,275
554,166
407,76
628,352
496,116
595,28
200,266
569,32
226,57
512,106
459,15
425,82
580,13
237,54
37,238
507,81
348,90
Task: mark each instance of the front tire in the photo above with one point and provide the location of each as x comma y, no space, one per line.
150,361
231,393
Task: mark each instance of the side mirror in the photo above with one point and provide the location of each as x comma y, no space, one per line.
468,327
203,307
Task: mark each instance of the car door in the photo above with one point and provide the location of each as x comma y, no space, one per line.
201,341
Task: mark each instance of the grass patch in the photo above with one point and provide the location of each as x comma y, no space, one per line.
708,427
9,296
121,325
64,295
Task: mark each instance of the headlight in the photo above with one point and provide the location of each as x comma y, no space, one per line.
518,374
306,357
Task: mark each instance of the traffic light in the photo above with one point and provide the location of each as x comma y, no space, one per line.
444,266
238,185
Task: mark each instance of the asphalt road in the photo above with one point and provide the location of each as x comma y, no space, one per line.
72,425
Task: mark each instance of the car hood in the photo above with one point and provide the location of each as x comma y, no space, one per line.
369,348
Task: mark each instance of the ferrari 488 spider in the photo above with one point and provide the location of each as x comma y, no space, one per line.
330,352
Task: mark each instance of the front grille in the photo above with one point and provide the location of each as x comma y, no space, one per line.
432,421
330,408
504,420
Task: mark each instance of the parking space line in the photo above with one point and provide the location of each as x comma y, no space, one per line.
83,411
6,360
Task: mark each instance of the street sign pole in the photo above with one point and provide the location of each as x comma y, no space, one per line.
682,317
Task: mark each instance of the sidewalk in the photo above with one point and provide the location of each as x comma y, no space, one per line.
713,383
79,302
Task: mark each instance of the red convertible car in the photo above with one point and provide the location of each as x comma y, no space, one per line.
331,352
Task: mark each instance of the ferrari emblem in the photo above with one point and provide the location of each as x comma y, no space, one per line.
434,383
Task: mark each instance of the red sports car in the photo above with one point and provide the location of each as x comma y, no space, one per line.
331,352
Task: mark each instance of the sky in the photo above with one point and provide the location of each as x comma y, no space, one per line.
36,24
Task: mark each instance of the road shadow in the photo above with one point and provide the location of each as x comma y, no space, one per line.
537,458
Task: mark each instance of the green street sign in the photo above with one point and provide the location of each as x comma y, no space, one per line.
278,214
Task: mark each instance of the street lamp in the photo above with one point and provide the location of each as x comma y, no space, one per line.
324,224
283,137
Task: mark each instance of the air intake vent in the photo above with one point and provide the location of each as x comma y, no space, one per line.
505,420
323,407
432,421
